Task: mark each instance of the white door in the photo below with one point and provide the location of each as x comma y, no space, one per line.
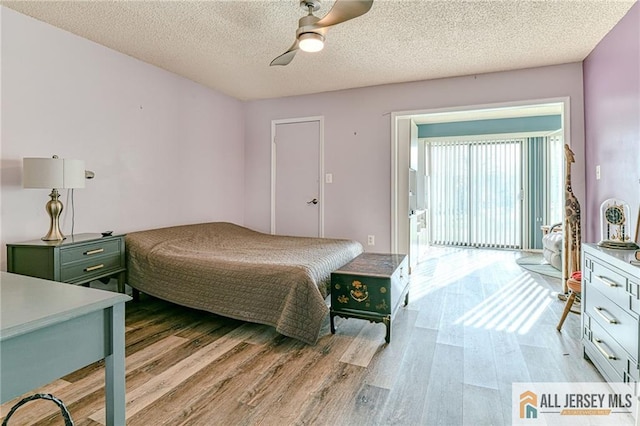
296,185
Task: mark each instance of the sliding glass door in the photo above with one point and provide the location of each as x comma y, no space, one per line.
476,194
494,193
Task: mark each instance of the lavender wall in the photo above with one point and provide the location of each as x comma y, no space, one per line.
358,139
168,151
165,150
612,121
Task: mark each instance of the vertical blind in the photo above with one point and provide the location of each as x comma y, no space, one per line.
554,179
476,193
543,186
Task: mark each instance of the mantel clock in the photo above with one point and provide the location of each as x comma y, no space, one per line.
615,227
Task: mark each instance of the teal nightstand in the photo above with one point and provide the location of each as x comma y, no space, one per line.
78,259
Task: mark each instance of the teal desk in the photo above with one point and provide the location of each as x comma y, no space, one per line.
50,329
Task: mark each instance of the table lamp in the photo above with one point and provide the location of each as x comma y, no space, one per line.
55,173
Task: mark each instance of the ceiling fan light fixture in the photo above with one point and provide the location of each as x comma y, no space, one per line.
311,42
311,29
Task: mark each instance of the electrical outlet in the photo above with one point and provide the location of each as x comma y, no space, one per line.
328,178
371,240
598,172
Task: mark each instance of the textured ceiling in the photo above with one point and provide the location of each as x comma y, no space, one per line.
228,45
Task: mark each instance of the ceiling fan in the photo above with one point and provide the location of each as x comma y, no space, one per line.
311,29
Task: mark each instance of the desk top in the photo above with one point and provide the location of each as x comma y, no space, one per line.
28,304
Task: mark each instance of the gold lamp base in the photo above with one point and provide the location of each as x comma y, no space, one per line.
54,208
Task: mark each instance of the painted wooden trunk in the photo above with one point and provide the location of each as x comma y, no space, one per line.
371,287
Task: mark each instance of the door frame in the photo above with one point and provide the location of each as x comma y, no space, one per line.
274,123
400,160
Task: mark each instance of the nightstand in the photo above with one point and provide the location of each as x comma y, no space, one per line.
78,259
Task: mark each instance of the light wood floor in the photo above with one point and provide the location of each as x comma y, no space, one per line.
476,323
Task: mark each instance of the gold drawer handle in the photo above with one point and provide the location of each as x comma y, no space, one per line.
96,251
603,351
608,281
599,310
93,268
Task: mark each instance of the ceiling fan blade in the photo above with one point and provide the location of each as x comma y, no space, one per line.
343,10
287,56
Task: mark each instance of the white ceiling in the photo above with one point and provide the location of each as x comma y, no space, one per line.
228,45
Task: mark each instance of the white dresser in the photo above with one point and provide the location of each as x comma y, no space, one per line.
611,312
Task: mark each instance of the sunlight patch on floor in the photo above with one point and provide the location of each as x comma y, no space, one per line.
449,272
513,309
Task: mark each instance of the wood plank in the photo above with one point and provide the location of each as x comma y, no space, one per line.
443,401
94,383
272,371
512,367
479,407
450,331
214,383
384,369
299,382
367,408
86,422
430,309
157,329
327,403
144,395
183,351
86,403
365,344
407,397
479,365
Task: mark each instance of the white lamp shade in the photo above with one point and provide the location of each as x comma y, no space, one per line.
52,173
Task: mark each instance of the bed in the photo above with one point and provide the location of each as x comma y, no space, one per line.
239,273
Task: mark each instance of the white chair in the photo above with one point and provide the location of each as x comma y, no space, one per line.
552,246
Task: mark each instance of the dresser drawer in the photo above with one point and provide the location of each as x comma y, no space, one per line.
618,323
88,252
89,268
605,352
608,281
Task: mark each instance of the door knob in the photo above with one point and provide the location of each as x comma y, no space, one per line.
314,201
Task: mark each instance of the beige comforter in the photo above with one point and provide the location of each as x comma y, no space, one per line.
239,273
